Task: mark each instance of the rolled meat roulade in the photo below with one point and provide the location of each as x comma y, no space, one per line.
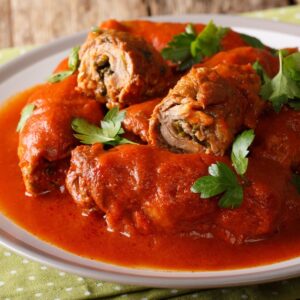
206,109
120,69
143,189
46,140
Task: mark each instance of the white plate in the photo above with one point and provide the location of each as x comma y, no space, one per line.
33,68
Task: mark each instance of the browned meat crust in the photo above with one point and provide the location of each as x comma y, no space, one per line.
118,68
206,108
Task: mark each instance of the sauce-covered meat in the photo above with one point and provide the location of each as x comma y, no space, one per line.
244,56
161,201
206,108
144,189
120,69
138,116
46,140
278,138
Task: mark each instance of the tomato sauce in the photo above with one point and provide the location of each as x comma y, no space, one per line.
55,219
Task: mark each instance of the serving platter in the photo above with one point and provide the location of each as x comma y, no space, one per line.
34,67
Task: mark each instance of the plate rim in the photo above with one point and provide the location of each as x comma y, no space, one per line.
282,272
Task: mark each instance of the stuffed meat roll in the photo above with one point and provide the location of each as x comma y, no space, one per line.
118,68
46,140
145,189
206,108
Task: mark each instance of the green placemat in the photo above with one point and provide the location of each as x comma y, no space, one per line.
23,279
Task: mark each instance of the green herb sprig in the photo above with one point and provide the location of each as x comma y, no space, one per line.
222,180
73,64
188,48
25,114
284,88
108,133
252,41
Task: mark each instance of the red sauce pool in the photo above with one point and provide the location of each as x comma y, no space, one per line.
56,220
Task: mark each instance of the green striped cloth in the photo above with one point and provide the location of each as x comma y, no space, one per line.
26,280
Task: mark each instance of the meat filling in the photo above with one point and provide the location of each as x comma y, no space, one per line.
118,68
206,108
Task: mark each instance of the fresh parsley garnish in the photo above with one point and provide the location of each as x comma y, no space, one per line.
284,88
73,64
240,151
108,133
188,48
261,72
252,41
25,114
292,66
222,180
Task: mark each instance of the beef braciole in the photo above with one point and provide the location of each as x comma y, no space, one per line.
120,69
158,197
46,141
206,108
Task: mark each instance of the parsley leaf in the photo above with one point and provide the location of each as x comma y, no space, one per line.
188,48
284,87
25,114
292,66
240,151
109,132
252,41
73,64
222,180
261,72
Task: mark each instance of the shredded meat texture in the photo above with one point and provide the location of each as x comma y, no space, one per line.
206,108
137,118
145,189
46,141
278,138
120,69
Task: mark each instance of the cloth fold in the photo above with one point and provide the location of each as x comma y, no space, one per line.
22,279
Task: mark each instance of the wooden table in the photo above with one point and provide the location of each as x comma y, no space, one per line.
25,22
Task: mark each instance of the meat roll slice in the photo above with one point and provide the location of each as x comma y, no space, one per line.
46,141
138,187
145,189
118,68
206,108
137,118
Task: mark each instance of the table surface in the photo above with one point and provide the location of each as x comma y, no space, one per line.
23,279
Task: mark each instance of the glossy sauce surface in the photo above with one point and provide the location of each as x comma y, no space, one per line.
56,219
